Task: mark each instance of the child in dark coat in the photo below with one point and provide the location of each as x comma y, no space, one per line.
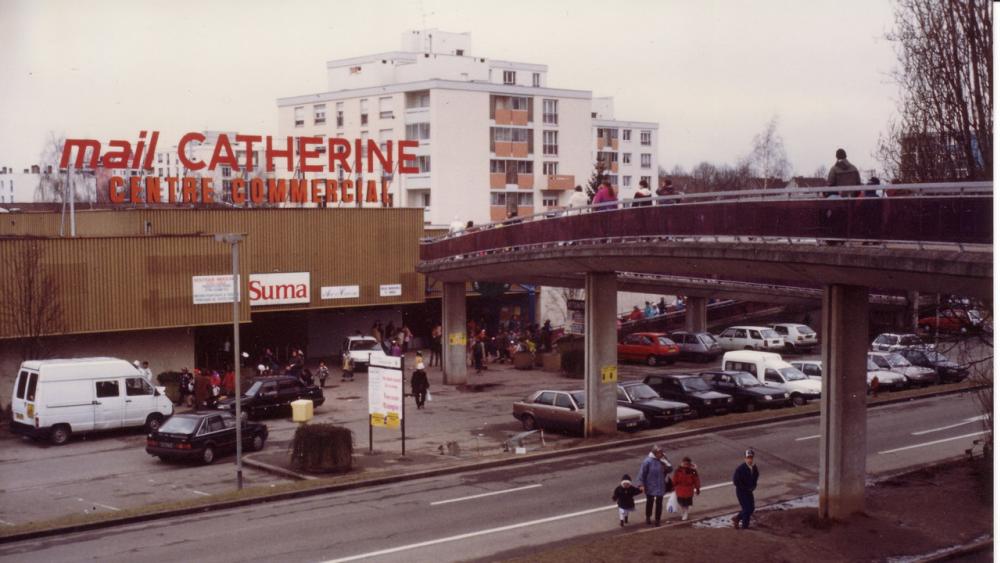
624,495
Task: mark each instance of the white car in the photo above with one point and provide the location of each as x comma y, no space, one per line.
751,338
890,342
797,337
893,361
812,368
886,379
361,349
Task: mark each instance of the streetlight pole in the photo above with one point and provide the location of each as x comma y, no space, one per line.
233,240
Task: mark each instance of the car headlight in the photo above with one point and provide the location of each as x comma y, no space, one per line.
767,397
729,400
786,395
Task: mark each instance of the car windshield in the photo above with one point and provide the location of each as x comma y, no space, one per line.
792,374
881,362
641,392
252,391
578,397
898,361
180,425
745,380
664,341
707,339
975,316
804,330
910,340
872,366
936,357
695,384
769,333
362,345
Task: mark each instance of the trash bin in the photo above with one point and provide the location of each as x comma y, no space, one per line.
302,410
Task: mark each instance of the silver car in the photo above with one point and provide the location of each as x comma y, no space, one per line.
563,410
699,346
893,361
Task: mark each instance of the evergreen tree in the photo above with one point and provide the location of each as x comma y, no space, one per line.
595,179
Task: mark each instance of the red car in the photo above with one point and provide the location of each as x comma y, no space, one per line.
649,347
955,321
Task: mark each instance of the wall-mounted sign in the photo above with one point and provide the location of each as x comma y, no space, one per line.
609,374
340,292
212,289
390,290
278,289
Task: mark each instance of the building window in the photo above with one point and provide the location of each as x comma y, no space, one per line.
418,131
626,158
646,160
364,111
646,179
550,168
536,79
520,103
227,172
319,114
424,164
420,99
552,201
626,134
364,144
385,108
646,137
509,77
159,157
340,114
608,133
550,112
550,142
383,136
300,118
626,181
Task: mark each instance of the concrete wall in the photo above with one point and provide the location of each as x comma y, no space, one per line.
460,156
327,329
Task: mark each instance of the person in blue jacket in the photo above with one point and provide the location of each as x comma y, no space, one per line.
652,480
745,479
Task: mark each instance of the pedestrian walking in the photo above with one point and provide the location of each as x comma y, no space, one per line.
323,372
624,495
745,479
202,388
419,384
605,198
652,480
479,352
579,198
186,387
687,483
147,373
436,342
842,173
348,368
643,197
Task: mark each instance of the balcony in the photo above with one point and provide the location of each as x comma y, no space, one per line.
503,116
498,180
560,182
519,150
519,117
525,181
601,143
503,148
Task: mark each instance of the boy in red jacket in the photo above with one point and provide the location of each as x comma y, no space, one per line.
686,485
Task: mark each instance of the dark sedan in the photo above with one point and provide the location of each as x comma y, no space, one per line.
947,370
659,412
202,436
693,390
747,391
274,394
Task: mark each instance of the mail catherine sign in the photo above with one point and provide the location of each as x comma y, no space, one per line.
300,154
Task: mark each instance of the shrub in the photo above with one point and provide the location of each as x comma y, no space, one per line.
572,363
322,448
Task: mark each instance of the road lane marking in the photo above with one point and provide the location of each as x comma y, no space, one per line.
486,494
894,450
197,492
6,523
813,437
108,507
488,531
969,420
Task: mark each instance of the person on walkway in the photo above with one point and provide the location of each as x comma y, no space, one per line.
186,387
147,373
652,479
202,388
579,198
419,384
605,198
643,197
395,349
624,495
745,479
323,372
650,311
843,173
479,352
229,383
436,344
348,368
636,314
662,306
687,483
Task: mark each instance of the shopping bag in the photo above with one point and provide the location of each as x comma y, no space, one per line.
672,505
428,395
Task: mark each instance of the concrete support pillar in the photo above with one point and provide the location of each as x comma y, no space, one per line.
600,366
843,417
696,314
913,300
454,343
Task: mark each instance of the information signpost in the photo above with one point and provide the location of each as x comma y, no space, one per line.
385,396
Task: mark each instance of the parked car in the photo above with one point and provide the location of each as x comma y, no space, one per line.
361,348
747,392
649,347
769,368
690,389
700,346
563,410
886,379
750,338
893,361
203,436
891,342
812,368
55,399
798,337
272,394
659,412
947,370
954,321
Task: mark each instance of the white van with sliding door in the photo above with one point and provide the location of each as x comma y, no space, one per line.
770,369
56,398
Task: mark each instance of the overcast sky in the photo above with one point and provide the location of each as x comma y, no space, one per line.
711,73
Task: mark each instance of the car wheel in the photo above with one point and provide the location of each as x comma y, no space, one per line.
528,422
153,422
60,434
258,443
208,456
750,406
651,361
798,400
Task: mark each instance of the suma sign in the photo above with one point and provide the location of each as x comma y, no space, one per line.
279,289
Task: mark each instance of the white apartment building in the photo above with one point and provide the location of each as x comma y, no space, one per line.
627,148
494,137
23,187
167,164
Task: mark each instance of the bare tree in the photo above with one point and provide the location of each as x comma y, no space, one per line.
31,308
768,160
944,130
54,184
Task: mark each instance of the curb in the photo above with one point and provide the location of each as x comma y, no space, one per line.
396,478
965,549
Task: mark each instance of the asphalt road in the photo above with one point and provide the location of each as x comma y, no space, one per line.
480,514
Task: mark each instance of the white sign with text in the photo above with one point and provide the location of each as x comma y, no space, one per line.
390,290
213,289
340,292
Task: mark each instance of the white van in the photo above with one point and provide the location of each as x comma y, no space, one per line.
770,369
55,398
